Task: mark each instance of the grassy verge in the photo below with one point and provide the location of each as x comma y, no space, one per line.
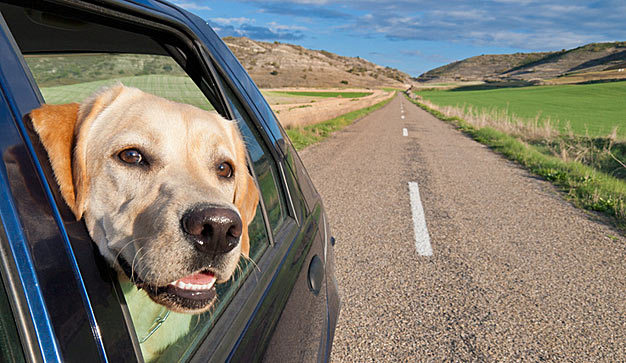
587,187
302,137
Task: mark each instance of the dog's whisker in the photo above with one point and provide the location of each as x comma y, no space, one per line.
248,259
132,265
128,244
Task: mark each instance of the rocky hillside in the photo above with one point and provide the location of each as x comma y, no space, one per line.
594,57
274,65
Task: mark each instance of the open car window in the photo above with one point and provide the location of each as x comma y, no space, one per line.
67,76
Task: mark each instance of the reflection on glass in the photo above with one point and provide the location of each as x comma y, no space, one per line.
267,177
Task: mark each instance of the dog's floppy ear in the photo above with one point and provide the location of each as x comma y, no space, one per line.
246,195
246,200
62,130
55,126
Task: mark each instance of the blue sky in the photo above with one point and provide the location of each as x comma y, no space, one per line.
414,35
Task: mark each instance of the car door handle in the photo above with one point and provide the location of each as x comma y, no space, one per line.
316,274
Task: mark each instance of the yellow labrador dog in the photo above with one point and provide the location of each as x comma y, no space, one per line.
163,188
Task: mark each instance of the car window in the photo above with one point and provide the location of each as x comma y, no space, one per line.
71,77
61,80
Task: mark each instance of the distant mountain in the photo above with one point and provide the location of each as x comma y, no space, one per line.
535,67
273,65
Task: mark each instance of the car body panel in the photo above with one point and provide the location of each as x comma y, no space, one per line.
60,270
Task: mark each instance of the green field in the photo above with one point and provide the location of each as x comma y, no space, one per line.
175,88
590,108
324,94
64,69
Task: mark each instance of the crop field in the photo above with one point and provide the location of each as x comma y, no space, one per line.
325,94
175,88
593,109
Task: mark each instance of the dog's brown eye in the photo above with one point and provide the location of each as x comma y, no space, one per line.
131,156
225,170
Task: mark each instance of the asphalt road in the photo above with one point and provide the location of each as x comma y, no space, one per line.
516,272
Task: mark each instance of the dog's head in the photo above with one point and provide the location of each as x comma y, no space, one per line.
163,188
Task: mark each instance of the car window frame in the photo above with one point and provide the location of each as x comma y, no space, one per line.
29,298
7,293
10,280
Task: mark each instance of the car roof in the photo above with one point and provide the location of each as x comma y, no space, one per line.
68,35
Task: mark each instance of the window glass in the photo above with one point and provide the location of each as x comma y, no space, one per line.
264,166
164,336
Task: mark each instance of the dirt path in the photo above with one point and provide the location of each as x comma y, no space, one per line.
517,273
324,108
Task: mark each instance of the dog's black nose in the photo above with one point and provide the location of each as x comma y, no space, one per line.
213,230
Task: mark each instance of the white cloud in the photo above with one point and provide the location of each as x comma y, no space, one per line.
190,5
233,21
473,14
550,40
523,24
275,26
547,25
560,9
312,2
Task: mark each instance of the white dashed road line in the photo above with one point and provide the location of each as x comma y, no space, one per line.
422,238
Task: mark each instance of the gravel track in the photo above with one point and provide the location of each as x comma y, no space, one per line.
517,272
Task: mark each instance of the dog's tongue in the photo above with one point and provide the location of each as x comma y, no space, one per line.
202,278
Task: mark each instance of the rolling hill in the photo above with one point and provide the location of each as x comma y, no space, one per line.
274,65
586,63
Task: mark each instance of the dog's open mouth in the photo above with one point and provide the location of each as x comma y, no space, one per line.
194,293
198,286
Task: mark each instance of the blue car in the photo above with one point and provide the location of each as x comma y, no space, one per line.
59,299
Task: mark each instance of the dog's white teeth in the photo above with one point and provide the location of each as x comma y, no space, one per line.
184,286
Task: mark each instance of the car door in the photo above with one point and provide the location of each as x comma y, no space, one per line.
288,233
